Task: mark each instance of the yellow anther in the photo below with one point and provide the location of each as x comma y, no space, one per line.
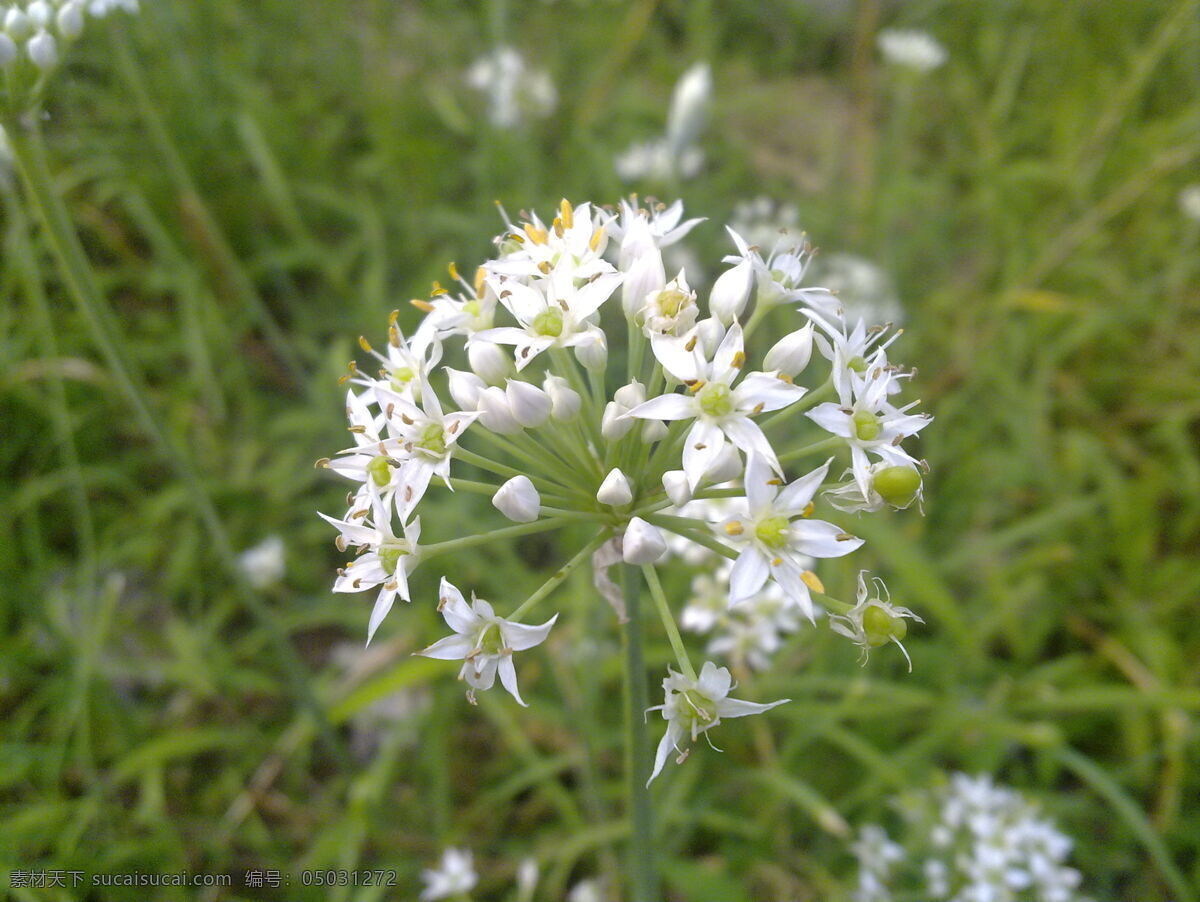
544,266
480,275
566,213
695,385
393,336
437,290
776,562
536,235
453,270
364,344
558,227
739,360
422,305
734,528
808,510
597,237
813,581
393,317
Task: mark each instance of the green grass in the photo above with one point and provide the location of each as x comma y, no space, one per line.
292,172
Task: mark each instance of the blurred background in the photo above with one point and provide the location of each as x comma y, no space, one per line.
259,183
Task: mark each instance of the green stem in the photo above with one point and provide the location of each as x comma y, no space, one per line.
486,463
28,150
495,535
825,444
561,574
643,880
823,393
668,621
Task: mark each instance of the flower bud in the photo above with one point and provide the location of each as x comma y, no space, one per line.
564,400
880,626
631,395
593,352
43,50
689,108
675,483
654,431
518,500
615,490
18,25
709,335
645,276
790,355
529,404
614,424
730,292
465,388
488,362
70,20
495,413
8,50
643,543
726,467
40,13
899,486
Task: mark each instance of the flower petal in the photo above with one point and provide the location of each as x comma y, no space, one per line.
519,636
452,648
665,407
796,496
508,679
749,573
701,449
820,539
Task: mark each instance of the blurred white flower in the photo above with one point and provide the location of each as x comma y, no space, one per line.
912,49
264,565
453,877
1189,202
761,221
515,92
675,155
864,290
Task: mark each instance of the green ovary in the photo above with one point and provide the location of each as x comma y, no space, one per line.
772,532
858,364
866,426
715,400
389,557
549,322
699,709
897,485
671,302
380,470
433,440
490,640
881,627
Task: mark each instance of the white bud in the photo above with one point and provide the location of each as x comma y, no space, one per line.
465,388
70,20
527,879
593,352
495,413
643,543
615,490
654,431
614,424
489,362
645,276
43,50
790,355
518,500
529,404
731,291
631,395
689,108
40,13
564,400
8,49
727,466
675,483
18,25
709,334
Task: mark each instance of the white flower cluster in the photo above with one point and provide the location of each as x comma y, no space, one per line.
675,155
31,30
911,49
515,92
563,437
968,841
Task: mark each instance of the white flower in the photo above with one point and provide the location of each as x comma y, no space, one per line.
1189,202
917,50
791,354
484,641
495,412
455,876
529,404
386,563
8,53
864,290
696,706
869,423
549,315
642,543
666,227
889,485
565,402
518,500
721,410
515,91
489,362
670,310
777,536
264,565
427,436
688,113
43,50
874,621
731,291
